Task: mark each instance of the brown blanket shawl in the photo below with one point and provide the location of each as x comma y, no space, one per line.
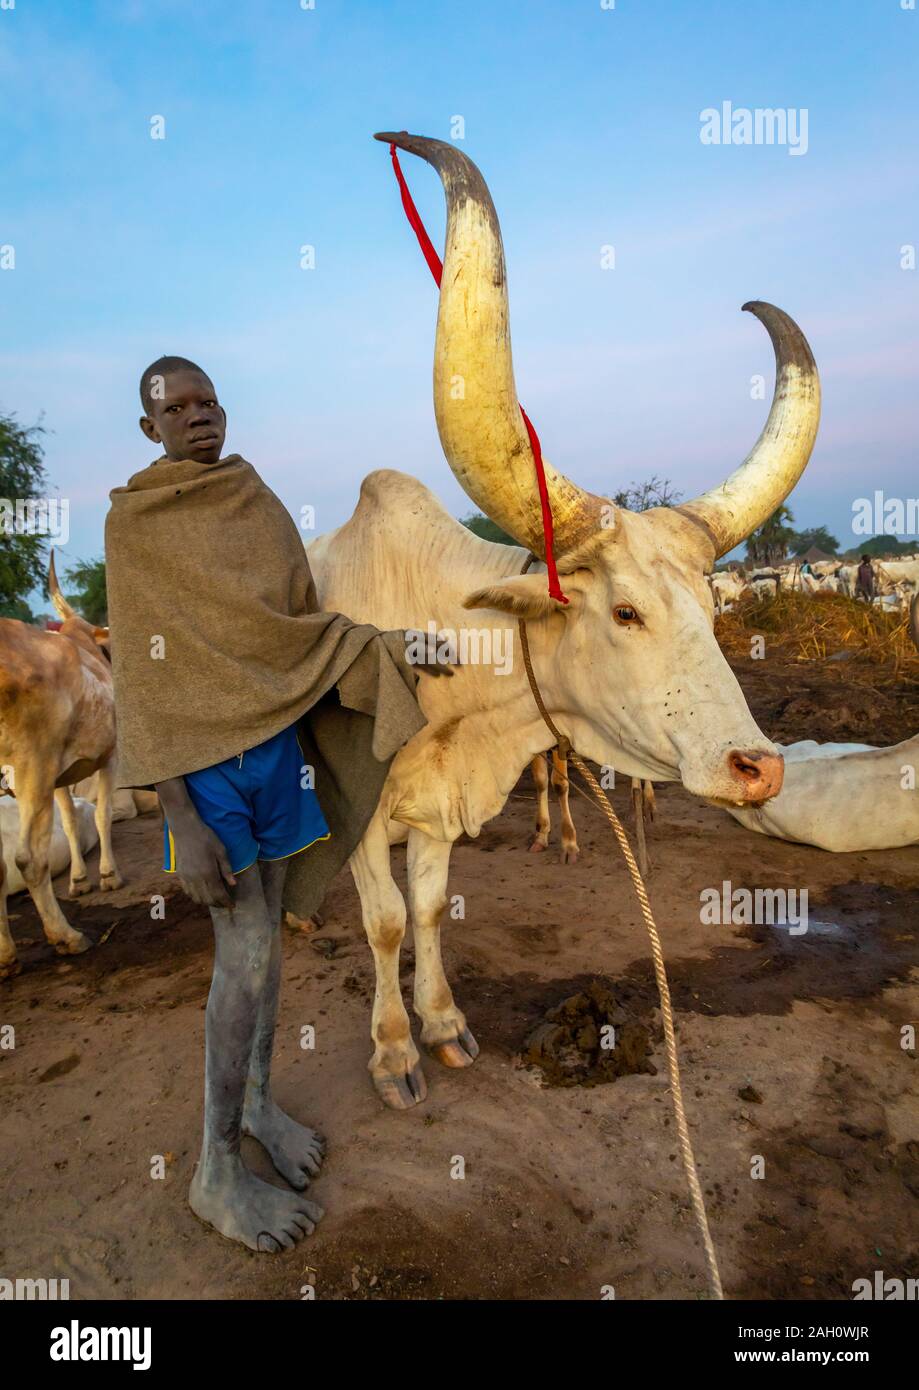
217,645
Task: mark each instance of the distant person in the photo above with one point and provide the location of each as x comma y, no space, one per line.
864,580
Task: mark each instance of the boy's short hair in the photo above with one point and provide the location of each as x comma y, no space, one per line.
163,366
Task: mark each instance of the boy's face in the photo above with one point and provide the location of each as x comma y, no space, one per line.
188,420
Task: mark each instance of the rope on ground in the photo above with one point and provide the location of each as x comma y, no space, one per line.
663,989
660,974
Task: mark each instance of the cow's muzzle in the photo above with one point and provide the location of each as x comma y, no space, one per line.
755,776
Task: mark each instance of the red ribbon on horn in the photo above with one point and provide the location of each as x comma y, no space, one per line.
435,265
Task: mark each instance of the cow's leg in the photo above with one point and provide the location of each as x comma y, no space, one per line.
561,784
36,820
9,966
540,772
109,877
395,1065
79,878
444,1031
223,1191
295,1151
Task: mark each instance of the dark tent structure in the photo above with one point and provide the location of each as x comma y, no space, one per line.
813,555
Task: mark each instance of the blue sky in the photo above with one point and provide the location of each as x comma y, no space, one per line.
585,122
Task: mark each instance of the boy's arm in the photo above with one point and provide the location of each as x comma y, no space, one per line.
201,860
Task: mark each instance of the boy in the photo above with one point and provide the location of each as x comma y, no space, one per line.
232,694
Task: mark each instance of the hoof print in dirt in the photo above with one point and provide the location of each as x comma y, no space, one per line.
590,1038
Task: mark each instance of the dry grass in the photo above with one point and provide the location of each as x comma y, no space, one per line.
812,628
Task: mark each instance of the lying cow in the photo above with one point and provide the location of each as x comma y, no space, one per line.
60,856
844,796
57,725
126,803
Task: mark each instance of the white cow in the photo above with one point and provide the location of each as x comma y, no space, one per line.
845,796
59,849
126,803
847,576
765,585
900,574
727,587
629,668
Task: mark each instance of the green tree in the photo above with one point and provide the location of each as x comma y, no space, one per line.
639,497
89,597
883,547
769,543
489,530
815,535
22,476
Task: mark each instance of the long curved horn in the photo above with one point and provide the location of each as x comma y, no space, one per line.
778,458
61,605
475,399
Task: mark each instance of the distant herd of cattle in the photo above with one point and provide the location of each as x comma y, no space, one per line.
895,581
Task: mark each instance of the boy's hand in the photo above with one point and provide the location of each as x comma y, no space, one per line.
434,668
201,860
202,865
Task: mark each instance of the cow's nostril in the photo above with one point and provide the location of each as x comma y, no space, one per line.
760,775
745,765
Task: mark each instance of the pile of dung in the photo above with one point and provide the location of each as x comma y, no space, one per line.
568,1043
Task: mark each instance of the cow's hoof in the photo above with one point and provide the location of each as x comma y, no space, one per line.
402,1092
79,886
538,846
570,855
109,882
460,1051
73,945
8,969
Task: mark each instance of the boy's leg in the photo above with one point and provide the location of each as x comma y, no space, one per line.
223,1191
295,1151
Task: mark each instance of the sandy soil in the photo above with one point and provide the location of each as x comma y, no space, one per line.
790,1049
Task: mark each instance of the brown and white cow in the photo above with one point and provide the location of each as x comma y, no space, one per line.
57,725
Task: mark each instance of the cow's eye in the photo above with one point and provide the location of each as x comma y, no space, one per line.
626,616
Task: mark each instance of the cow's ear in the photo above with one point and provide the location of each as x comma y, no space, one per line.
524,596
100,636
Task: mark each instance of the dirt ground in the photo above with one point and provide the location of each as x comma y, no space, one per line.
790,1048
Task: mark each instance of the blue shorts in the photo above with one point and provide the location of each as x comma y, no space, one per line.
256,804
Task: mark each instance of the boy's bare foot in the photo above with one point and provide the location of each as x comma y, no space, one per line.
296,1151
242,1207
